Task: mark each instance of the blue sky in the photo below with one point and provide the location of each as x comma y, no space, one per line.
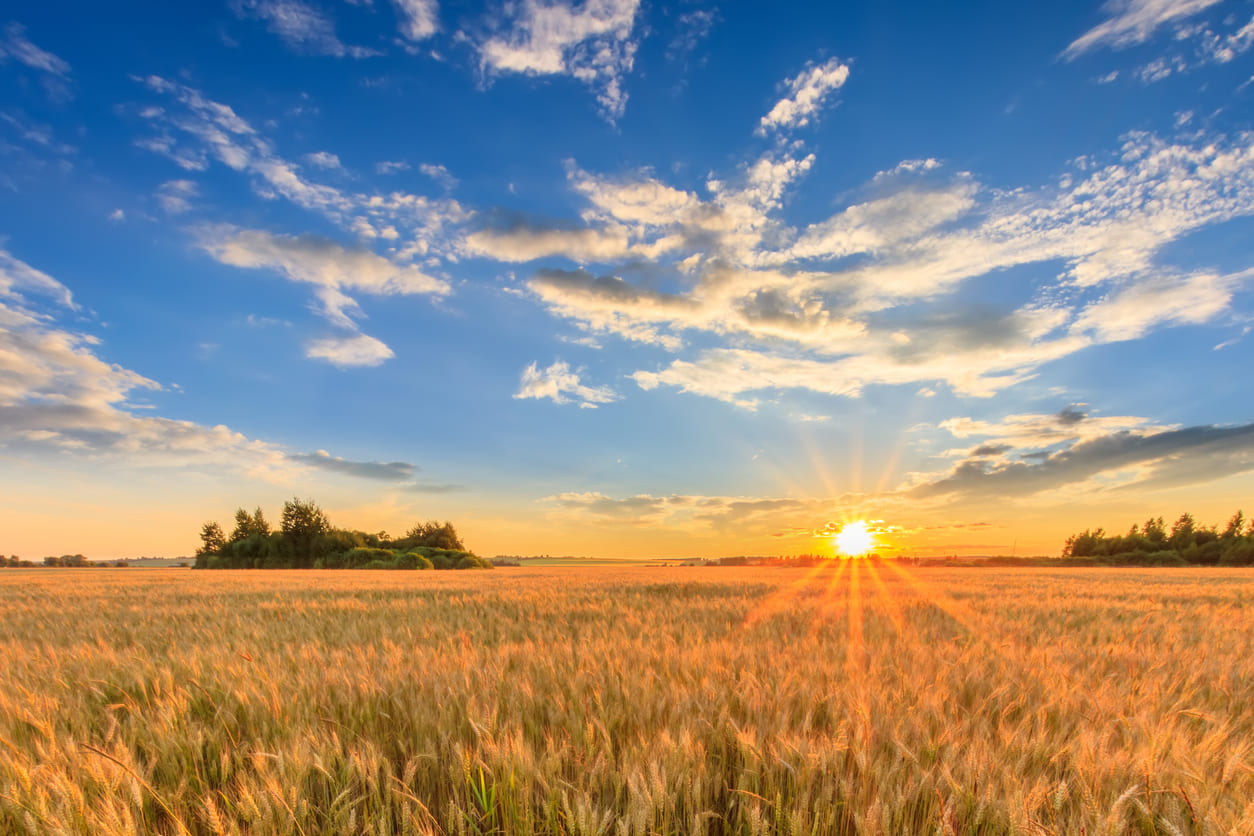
629,279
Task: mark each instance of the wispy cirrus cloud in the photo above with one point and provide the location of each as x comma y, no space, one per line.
1131,22
562,385
301,26
199,132
175,196
18,278
334,271
320,262
15,46
1196,45
591,42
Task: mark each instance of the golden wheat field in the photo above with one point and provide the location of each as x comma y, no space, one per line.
857,698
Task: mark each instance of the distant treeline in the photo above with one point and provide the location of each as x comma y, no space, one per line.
307,540
1186,544
72,560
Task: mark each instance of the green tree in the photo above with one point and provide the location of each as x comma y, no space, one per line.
1155,531
433,534
243,526
304,523
303,518
1183,532
211,538
1234,528
260,526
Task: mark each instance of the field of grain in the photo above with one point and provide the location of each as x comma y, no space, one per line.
843,700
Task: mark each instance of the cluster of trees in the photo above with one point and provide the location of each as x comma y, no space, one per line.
1185,544
307,540
14,561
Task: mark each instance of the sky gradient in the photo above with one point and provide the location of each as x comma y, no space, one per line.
621,279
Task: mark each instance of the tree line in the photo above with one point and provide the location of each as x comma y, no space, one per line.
71,560
306,539
1186,544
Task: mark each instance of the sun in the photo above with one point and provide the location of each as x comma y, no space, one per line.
854,539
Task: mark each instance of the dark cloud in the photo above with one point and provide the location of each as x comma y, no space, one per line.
1190,455
1071,415
745,513
433,487
976,329
383,471
989,450
773,308
608,288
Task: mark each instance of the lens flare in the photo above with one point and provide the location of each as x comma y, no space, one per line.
854,539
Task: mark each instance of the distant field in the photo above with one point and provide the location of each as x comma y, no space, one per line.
627,701
589,561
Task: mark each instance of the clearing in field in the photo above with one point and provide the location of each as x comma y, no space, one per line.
854,698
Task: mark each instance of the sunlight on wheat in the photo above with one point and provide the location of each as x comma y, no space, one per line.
862,697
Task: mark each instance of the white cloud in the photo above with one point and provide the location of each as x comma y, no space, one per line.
1132,22
873,226
324,159
17,276
1208,47
57,394
698,514
1037,431
350,351
1070,455
301,26
908,167
639,200
527,243
591,43
17,46
202,131
1224,48
391,167
439,174
806,93
36,133
60,397
117,215
175,196
418,19
1130,313
818,307
331,268
563,386
692,28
